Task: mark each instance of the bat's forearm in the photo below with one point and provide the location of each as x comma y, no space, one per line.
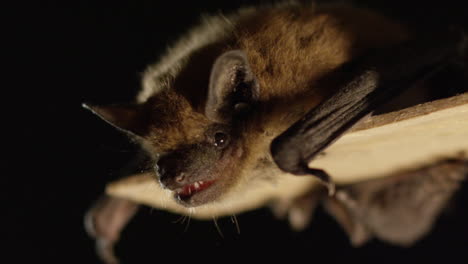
378,78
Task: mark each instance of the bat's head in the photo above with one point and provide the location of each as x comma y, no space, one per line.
203,149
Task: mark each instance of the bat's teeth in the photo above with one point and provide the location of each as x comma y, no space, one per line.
188,190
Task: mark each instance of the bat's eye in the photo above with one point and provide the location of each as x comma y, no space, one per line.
221,139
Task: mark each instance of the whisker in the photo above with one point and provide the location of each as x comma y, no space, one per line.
188,223
184,218
181,219
234,220
217,227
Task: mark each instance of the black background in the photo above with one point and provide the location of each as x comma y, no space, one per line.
58,156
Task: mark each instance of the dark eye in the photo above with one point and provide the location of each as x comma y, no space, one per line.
221,139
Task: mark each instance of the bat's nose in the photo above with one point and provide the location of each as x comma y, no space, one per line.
169,173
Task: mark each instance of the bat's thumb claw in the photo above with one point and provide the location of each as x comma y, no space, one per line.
324,178
330,187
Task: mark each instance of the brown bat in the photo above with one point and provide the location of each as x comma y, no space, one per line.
244,102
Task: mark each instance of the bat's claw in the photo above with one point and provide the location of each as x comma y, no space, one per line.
324,179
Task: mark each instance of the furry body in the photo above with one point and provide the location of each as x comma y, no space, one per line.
209,110
294,51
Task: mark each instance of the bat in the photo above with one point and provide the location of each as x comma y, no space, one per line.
399,208
244,102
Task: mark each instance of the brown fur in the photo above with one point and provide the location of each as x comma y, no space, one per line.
290,50
294,52
294,48
172,121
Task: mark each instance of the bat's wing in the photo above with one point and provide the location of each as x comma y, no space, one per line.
373,80
400,208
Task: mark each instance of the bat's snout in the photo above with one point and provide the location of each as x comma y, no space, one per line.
169,174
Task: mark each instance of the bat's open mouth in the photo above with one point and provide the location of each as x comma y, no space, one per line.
209,184
185,193
201,180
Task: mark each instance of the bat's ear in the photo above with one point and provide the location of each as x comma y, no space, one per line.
232,89
127,118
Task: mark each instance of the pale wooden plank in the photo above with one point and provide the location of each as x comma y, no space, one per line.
374,148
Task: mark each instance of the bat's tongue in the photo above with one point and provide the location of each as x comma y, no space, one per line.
191,189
